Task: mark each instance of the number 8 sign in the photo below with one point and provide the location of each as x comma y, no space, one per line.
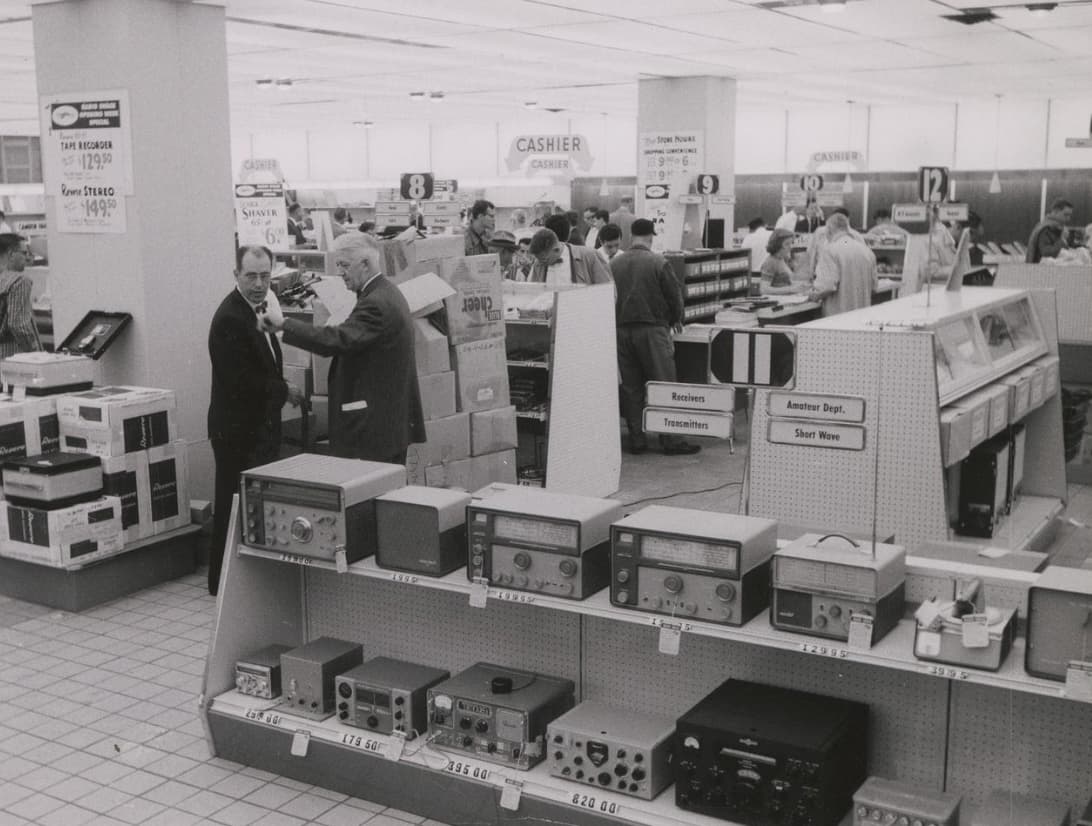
933,184
417,186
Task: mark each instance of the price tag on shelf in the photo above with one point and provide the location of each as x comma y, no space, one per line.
860,632
340,561
301,741
409,579
362,742
976,631
594,804
1078,681
263,716
479,592
464,768
510,794
396,745
670,638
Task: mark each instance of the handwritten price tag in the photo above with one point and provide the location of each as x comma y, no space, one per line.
860,632
594,804
479,592
396,746
301,741
1078,681
670,639
464,768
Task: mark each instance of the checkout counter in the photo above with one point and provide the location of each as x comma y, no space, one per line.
789,309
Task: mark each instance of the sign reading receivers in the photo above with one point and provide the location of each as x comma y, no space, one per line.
694,409
813,420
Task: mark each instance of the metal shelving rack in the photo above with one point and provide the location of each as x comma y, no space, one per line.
709,278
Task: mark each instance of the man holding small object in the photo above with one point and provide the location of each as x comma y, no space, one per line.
375,403
248,390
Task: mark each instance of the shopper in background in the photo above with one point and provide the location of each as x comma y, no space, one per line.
375,403
600,218
755,241
483,216
368,228
5,227
17,331
575,235
819,239
1048,237
610,242
942,250
791,218
523,257
337,224
248,390
295,225
776,272
648,306
845,276
883,225
557,262
504,244
623,218
813,218
588,221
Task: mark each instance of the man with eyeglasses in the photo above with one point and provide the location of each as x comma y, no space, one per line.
248,390
375,403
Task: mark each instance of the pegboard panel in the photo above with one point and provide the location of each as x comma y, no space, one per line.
440,628
894,372
1074,294
1026,743
908,710
584,453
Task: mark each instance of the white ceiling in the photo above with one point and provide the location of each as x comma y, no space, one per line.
359,59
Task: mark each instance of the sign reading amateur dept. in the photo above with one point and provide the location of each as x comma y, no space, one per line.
814,406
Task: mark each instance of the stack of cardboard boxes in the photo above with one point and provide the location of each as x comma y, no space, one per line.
462,371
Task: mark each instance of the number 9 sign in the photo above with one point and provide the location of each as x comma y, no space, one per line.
417,186
708,184
933,184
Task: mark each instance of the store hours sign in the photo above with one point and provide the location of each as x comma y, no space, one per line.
87,159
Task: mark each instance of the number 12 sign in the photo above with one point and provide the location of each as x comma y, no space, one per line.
933,184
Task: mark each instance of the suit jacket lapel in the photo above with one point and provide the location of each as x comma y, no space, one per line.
271,357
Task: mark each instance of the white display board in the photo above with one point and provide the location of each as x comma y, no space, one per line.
87,160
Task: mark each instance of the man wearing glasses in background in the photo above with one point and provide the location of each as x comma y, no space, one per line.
375,403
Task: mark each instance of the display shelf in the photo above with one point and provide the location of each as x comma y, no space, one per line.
703,273
1031,526
365,748
528,322
533,415
894,651
544,364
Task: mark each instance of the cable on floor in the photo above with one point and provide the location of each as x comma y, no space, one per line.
681,493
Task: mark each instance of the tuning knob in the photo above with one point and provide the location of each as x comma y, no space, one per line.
522,561
567,567
673,584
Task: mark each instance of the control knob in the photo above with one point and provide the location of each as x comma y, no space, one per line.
567,567
622,576
623,595
302,530
482,726
726,592
522,561
673,583
345,690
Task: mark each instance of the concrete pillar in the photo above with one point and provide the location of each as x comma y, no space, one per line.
707,106
173,265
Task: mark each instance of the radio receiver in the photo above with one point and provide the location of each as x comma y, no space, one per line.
308,672
497,713
387,695
885,801
819,582
259,674
692,563
315,506
551,543
1059,622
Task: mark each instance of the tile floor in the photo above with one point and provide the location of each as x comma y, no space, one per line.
99,725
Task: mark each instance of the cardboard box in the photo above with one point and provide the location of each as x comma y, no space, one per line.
402,261
493,430
125,477
492,467
63,538
476,310
425,294
447,440
1019,395
300,377
438,395
1050,366
481,375
111,421
977,405
430,347
153,489
456,474
955,434
29,427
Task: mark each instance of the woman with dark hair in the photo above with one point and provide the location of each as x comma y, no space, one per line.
776,273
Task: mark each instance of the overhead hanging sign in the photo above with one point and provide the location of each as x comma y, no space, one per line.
87,159
753,358
708,184
850,158
932,184
417,186
811,183
548,153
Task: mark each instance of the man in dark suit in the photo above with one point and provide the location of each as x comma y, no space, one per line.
375,403
248,390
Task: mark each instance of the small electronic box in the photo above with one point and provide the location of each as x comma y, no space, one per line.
1059,622
387,695
308,673
259,674
881,801
964,631
53,480
421,530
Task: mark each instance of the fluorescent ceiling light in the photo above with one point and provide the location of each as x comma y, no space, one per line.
417,95
531,104
283,84
436,97
832,6
1041,9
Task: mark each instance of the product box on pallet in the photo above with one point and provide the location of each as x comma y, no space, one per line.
110,421
430,347
29,427
122,477
62,538
481,375
492,430
447,439
437,394
476,310
152,487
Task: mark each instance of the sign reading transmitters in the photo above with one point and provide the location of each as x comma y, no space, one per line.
753,358
688,422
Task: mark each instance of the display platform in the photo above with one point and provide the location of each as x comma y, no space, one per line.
144,564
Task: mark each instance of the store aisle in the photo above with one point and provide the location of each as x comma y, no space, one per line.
99,725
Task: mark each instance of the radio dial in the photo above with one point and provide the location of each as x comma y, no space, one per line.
726,592
373,721
638,774
465,723
522,561
673,584
345,690
835,611
820,621
621,769
603,778
567,567
302,530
